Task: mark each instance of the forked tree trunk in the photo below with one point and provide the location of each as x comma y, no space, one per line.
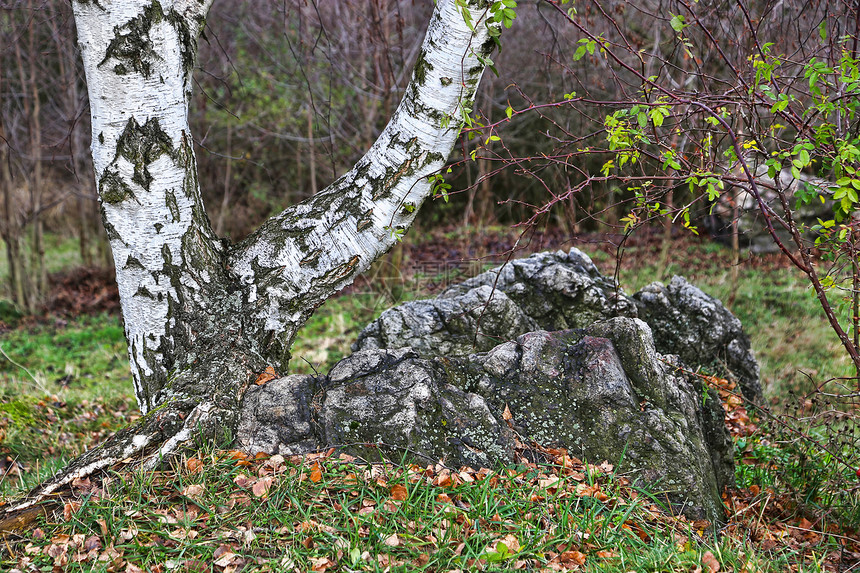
203,317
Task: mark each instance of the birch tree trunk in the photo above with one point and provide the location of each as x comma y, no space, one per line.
203,317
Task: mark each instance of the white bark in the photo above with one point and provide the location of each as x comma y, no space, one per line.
136,55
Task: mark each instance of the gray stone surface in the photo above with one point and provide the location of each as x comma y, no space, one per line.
602,392
700,330
557,291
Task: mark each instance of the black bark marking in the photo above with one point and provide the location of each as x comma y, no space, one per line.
142,145
132,46
112,188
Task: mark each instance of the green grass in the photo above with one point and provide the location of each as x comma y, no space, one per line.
327,336
211,512
64,386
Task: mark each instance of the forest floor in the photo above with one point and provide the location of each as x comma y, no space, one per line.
64,386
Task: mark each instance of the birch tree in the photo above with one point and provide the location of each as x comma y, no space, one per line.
204,317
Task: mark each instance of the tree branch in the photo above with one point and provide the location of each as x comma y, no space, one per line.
300,257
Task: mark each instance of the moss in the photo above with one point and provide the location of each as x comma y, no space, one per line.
21,413
170,200
141,145
187,41
112,188
422,66
433,157
132,46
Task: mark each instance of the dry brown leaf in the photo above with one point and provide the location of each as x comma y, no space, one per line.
193,490
573,556
506,415
240,457
320,564
242,480
226,559
69,509
399,492
193,465
443,478
316,473
267,375
585,490
85,485
709,561
511,542
262,486
552,482
392,540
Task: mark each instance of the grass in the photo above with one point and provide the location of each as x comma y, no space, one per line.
219,511
64,385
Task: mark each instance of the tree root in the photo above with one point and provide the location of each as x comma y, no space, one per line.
144,445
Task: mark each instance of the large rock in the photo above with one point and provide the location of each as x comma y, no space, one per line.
557,291
602,392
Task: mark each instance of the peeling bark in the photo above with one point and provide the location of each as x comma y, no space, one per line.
202,318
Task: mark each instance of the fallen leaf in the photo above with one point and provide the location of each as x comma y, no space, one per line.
92,542
193,490
316,473
392,540
193,465
709,561
506,415
242,480
262,486
320,564
399,492
226,559
69,509
512,543
572,557
267,375
549,483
